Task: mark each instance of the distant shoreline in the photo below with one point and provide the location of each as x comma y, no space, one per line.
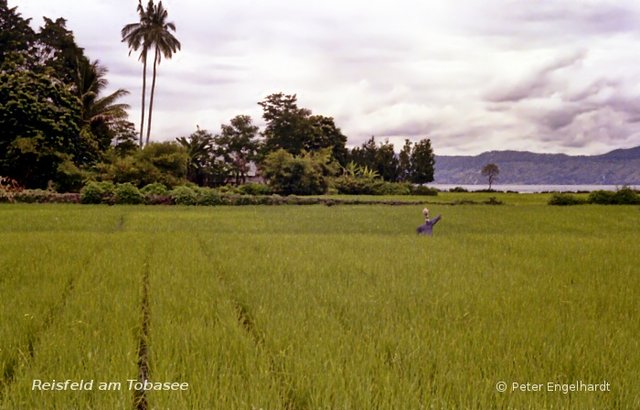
528,189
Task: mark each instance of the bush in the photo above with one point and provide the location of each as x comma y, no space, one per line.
394,188
128,194
353,185
305,174
626,196
41,196
565,199
207,196
183,195
601,197
423,190
155,188
458,189
97,193
255,189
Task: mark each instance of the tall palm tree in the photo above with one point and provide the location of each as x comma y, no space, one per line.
158,35
135,34
90,82
100,114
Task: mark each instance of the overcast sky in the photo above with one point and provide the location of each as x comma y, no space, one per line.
472,75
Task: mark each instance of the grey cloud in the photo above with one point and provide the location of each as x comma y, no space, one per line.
536,84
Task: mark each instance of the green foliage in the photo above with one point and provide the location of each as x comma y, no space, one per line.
238,145
184,195
164,162
414,163
623,196
155,188
458,189
127,194
423,190
565,199
306,174
255,189
69,177
207,196
97,193
16,36
422,162
39,128
295,130
491,171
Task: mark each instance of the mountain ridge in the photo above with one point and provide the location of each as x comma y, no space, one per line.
617,167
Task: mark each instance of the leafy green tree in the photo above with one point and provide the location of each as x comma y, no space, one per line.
159,37
40,128
238,145
162,162
295,130
305,174
135,35
404,162
491,171
57,50
366,154
125,139
387,162
287,125
325,134
16,36
380,158
203,167
422,162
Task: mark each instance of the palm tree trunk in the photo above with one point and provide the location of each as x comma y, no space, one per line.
144,88
153,87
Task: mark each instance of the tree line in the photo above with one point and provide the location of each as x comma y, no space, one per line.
59,129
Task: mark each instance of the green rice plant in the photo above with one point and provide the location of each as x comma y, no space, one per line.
334,307
92,338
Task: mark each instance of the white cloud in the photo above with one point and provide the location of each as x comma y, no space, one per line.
474,75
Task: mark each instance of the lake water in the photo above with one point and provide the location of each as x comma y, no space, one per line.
531,188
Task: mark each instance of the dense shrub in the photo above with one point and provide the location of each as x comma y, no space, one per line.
353,185
395,188
458,189
155,188
255,189
97,193
207,196
565,199
623,196
40,196
162,162
626,196
423,190
128,194
183,195
601,197
305,174
358,185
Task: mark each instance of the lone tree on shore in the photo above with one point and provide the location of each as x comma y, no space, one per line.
491,171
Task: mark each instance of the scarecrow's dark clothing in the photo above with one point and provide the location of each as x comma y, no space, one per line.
427,227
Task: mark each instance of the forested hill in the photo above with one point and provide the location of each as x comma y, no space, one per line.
617,167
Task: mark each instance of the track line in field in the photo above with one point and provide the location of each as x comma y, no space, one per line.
25,356
139,396
119,225
247,323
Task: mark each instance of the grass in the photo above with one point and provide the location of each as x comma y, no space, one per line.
325,307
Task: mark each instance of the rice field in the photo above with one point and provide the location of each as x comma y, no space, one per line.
320,307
